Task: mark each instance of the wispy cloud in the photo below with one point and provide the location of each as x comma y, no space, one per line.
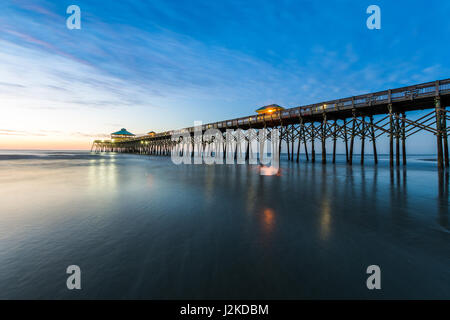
5,132
59,81
53,133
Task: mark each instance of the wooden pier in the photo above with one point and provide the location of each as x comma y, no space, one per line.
339,120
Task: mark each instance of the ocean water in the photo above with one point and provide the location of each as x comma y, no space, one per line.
141,227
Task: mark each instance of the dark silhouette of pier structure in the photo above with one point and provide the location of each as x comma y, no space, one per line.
339,120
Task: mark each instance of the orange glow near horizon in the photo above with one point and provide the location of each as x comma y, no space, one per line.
44,143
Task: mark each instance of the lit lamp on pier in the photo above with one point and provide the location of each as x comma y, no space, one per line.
269,109
151,133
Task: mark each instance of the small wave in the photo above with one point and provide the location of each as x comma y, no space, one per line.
19,157
48,156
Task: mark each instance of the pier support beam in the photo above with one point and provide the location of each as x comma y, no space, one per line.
363,138
403,138
397,139
287,145
224,146
372,133
281,139
445,136
323,137
346,140
247,151
391,136
304,142
334,141
313,150
299,139
292,143
438,112
352,139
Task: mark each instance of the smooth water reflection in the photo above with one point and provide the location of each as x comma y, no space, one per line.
141,227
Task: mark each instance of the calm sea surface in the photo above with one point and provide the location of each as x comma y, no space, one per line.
142,227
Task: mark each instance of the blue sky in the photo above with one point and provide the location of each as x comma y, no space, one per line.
159,65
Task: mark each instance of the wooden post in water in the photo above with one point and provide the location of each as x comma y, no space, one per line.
391,137
346,140
363,137
397,139
247,152
375,156
292,143
304,142
352,140
235,147
224,150
323,132
439,132
192,144
445,136
281,139
299,140
404,138
287,145
313,150
334,142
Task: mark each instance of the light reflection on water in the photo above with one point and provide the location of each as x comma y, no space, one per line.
141,227
269,219
325,220
102,174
